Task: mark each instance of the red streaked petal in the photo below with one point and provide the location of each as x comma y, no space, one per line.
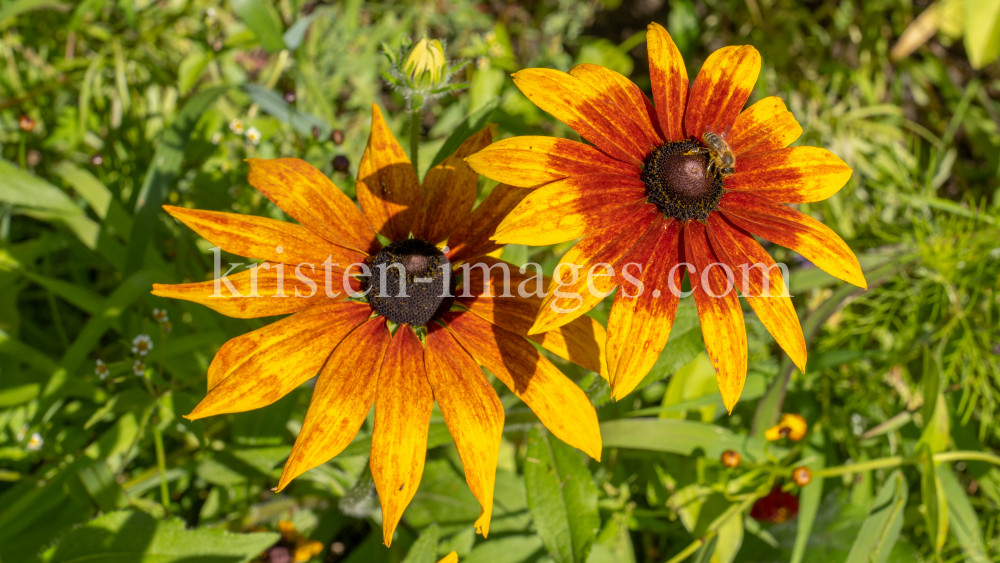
793,229
585,109
773,306
473,236
403,408
635,105
720,314
472,411
721,90
387,186
670,81
569,297
571,208
306,194
260,237
641,318
560,405
451,191
530,162
793,175
258,368
764,126
343,396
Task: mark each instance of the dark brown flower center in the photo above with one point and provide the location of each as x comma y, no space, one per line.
679,183
411,282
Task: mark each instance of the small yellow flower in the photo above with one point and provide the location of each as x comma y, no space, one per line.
237,126
450,558
792,426
426,62
139,368
304,548
160,315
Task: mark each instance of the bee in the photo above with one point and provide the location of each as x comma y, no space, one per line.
720,156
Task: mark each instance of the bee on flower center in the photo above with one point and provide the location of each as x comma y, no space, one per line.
720,156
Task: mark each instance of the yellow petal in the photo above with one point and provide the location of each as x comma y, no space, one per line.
306,194
343,396
559,404
402,415
260,237
260,367
472,411
387,186
792,175
298,295
571,208
720,313
450,191
530,162
634,104
669,79
450,558
721,90
764,126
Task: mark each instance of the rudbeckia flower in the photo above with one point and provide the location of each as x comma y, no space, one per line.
791,426
401,354
650,191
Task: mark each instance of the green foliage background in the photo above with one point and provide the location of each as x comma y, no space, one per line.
132,102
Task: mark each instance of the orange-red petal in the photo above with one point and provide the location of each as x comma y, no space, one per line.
343,396
298,295
530,162
403,408
772,304
721,90
669,80
571,208
260,367
473,237
569,296
783,225
792,175
450,191
387,186
635,106
306,194
586,109
765,126
641,318
558,402
260,237
720,314
472,411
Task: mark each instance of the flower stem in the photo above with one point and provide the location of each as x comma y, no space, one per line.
896,461
416,103
161,463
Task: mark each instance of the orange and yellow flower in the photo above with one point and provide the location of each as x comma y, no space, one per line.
791,426
401,354
643,192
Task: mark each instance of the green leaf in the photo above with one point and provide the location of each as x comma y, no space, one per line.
190,70
881,528
162,173
982,31
809,499
135,537
681,437
273,104
962,517
469,126
935,503
21,188
262,22
23,6
424,550
297,32
512,549
562,497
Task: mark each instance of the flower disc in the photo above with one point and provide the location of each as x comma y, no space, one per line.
678,181
411,282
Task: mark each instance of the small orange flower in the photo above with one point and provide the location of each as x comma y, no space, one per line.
438,345
791,426
802,476
302,547
687,181
731,459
